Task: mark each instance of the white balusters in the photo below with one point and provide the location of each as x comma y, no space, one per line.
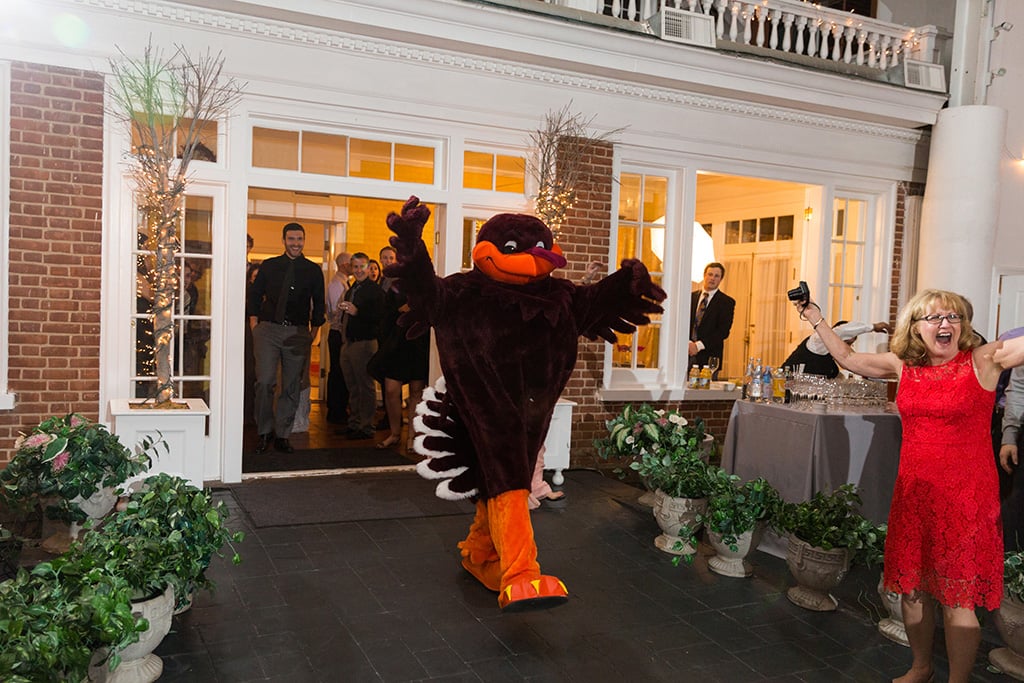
848,34
734,22
801,24
720,23
824,28
773,40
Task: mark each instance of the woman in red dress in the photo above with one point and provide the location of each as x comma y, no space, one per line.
944,543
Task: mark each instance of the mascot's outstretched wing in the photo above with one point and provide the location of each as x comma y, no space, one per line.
413,265
443,440
617,303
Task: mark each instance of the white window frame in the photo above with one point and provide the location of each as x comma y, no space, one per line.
7,399
667,381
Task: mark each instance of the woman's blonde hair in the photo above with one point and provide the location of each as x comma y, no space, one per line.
906,341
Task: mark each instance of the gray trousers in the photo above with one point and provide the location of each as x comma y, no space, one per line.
362,395
287,347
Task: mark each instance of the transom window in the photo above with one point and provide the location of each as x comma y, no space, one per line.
342,155
496,172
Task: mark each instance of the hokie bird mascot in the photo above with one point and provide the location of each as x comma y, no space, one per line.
506,336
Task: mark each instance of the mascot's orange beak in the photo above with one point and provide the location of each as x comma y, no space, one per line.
536,263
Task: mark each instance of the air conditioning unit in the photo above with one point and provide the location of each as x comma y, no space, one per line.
680,26
924,75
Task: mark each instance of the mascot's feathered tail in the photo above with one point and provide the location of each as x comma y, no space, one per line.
443,441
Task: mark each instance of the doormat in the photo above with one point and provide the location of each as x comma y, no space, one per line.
343,498
322,459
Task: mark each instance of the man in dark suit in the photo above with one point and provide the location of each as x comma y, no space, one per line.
711,313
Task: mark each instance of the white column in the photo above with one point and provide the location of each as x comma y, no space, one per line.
961,205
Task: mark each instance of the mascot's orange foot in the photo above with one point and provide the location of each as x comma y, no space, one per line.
527,594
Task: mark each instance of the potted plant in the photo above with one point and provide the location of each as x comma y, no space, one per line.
169,507
826,534
668,452
70,467
54,617
10,553
735,520
1009,618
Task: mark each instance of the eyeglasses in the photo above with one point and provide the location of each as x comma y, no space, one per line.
935,319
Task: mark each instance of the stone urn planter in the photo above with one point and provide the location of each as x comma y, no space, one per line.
1009,619
672,515
816,571
892,627
95,506
138,663
729,562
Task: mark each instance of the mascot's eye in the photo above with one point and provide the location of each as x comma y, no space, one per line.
510,247
541,245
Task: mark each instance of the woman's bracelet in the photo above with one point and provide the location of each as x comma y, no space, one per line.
815,325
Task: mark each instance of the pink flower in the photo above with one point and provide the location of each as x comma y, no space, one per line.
37,440
662,422
61,461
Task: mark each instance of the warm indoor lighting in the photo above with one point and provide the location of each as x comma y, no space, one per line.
808,213
703,252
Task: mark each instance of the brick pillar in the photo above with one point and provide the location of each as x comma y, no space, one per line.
55,246
586,236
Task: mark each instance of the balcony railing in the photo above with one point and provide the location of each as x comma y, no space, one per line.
789,27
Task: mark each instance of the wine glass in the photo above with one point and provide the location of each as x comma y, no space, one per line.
714,362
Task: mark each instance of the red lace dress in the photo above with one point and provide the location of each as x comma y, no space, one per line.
945,533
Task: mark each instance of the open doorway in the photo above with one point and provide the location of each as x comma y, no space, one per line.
333,224
759,228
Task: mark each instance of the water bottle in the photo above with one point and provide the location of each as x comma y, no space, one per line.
747,375
766,384
754,392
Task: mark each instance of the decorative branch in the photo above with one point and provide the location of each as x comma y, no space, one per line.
166,103
562,145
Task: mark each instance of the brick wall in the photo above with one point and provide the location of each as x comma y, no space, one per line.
55,221
585,238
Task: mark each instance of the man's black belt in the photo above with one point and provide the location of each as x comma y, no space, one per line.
286,323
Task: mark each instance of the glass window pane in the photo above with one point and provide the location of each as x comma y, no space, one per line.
653,255
198,232
622,355
414,164
511,174
647,346
627,242
784,228
840,227
749,230
856,215
732,232
655,190
766,231
477,169
324,153
151,130
370,159
275,148
629,197
470,227
206,140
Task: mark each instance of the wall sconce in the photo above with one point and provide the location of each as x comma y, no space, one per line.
808,214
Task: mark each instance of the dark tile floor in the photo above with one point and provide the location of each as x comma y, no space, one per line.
387,601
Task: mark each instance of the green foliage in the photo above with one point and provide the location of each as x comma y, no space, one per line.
734,509
55,616
1013,574
167,534
832,520
66,457
663,447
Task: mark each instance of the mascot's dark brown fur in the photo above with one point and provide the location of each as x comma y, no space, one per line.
507,335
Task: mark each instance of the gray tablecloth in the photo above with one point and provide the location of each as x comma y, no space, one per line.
801,452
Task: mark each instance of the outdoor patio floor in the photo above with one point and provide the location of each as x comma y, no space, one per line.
386,600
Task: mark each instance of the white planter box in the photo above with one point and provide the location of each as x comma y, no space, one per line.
182,429
556,443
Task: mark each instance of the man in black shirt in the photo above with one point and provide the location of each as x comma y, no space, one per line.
286,296
362,312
